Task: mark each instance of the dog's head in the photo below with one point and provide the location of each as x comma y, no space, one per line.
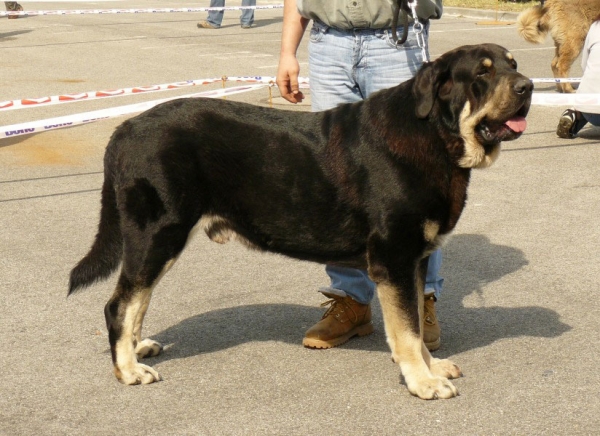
476,93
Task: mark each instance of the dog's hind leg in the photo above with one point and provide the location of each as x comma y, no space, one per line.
148,256
565,55
144,347
148,347
122,313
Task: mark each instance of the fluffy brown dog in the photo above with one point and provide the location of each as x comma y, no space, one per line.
568,22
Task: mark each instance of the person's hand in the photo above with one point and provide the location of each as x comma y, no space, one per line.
287,79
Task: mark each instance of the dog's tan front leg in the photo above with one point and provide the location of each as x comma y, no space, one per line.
440,367
406,345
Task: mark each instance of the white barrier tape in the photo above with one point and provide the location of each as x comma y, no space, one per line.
135,11
27,128
544,99
553,80
94,95
102,114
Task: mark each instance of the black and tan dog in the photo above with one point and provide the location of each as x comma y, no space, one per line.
376,185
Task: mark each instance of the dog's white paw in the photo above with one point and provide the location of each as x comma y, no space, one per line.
137,374
148,348
445,368
432,388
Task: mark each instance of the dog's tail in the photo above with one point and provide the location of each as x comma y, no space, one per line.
532,24
105,255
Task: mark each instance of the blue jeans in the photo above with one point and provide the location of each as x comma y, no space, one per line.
593,119
216,17
347,66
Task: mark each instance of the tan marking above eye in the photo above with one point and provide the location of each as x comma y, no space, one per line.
509,56
487,62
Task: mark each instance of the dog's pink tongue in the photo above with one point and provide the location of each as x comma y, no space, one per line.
517,124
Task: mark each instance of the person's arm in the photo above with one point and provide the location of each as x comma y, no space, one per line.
294,26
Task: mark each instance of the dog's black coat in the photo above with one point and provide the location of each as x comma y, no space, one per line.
372,185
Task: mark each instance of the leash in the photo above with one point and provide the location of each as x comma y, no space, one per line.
409,6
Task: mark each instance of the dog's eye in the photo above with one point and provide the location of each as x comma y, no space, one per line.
482,72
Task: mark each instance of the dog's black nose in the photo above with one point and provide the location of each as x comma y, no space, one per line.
523,86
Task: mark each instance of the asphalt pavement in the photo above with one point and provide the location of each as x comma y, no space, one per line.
519,311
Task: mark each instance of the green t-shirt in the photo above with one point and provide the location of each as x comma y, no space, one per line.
361,14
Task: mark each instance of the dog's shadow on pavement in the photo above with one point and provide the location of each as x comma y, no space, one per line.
470,262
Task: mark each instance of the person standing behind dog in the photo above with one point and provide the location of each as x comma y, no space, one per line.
572,120
13,6
215,18
352,55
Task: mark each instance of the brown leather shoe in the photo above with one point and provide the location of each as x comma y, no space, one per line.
431,330
344,319
206,25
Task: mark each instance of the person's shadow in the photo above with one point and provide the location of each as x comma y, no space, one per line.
8,36
470,263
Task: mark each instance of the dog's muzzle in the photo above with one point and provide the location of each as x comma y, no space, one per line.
514,124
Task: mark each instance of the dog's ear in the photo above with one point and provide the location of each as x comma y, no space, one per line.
426,85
